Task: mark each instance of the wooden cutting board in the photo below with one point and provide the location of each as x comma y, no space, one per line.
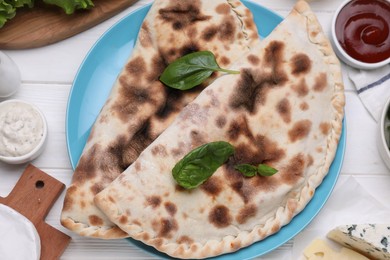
45,24
33,196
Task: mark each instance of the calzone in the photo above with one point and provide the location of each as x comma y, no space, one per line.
140,107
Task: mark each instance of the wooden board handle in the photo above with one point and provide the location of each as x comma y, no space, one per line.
33,196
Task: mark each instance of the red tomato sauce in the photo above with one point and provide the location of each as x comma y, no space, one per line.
362,29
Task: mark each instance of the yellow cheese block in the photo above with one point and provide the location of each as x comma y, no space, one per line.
320,250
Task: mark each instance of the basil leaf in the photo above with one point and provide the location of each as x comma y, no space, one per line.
200,164
191,70
249,170
265,170
246,169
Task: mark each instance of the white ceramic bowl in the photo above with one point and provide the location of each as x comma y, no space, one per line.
38,149
383,148
343,55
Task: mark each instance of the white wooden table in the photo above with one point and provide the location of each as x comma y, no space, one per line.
47,76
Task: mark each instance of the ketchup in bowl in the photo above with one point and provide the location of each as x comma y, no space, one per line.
362,29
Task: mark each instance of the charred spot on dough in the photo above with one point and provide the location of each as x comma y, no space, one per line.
132,96
123,219
157,242
220,121
158,65
223,8
321,82
284,110
310,160
197,138
235,245
301,88
86,168
160,150
304,106
220,216
144,36
170,104
185,240
275,228
325,128
68,201
319,149
145,236
227,29
274,52
300,130
212,186
136,66
300,64
259,150
166,226
237,128
95,220
294,169
137,166
170,208
111,199
189,48
224,61
181,14
141,139
209,33
154,201
246,213
253,85
96,188
253,59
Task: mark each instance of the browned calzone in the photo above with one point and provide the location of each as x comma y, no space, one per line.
284,109
139,107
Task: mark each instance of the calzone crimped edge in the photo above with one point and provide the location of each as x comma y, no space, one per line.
140,107
284,109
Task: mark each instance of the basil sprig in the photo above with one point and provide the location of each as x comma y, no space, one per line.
191,70
198,165
249,170
201,163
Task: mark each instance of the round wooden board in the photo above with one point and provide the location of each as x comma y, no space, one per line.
46,24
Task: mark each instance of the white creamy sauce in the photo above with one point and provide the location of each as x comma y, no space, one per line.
21,128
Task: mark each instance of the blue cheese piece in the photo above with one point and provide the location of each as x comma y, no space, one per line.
372,240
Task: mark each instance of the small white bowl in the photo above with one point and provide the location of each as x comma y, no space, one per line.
343,55
383,148
38,149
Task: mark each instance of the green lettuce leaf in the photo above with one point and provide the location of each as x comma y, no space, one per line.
8,9
71,5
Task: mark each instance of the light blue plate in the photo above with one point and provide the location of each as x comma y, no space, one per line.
92,86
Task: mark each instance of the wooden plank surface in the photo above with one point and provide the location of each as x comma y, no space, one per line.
47,75
46,24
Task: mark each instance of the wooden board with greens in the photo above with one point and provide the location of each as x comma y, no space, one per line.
30,24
